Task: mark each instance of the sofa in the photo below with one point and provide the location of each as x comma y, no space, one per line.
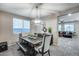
66,34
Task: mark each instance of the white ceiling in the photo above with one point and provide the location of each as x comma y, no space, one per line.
67,18
29,10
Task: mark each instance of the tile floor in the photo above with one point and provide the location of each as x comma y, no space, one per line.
66,47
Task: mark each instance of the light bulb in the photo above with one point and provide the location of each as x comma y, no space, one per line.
69,14
37,21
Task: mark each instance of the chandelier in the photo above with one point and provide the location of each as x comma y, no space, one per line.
38,14
37,19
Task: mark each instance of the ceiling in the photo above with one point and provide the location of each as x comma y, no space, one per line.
31,10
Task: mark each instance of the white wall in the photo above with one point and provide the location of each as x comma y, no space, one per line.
52,22
6,32
77,28
6,28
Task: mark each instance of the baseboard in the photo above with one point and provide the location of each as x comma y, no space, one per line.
12,44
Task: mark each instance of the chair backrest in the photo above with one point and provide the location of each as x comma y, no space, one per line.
46,42
20,35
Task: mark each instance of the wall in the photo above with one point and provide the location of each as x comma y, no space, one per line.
6,28
52,22
77,28
6,33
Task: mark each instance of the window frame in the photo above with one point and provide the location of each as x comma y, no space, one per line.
22,25
69,26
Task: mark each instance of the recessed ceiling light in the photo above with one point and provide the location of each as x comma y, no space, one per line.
69,14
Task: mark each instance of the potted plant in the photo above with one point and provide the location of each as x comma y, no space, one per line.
49,30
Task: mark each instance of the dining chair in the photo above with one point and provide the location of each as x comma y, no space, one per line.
45,46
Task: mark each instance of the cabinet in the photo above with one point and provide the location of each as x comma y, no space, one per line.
3,46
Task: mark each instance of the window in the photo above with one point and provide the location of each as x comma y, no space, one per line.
59,27
20,25
69,27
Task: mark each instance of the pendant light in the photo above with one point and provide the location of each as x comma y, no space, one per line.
37,19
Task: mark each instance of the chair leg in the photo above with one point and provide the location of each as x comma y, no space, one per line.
49,52
42,54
